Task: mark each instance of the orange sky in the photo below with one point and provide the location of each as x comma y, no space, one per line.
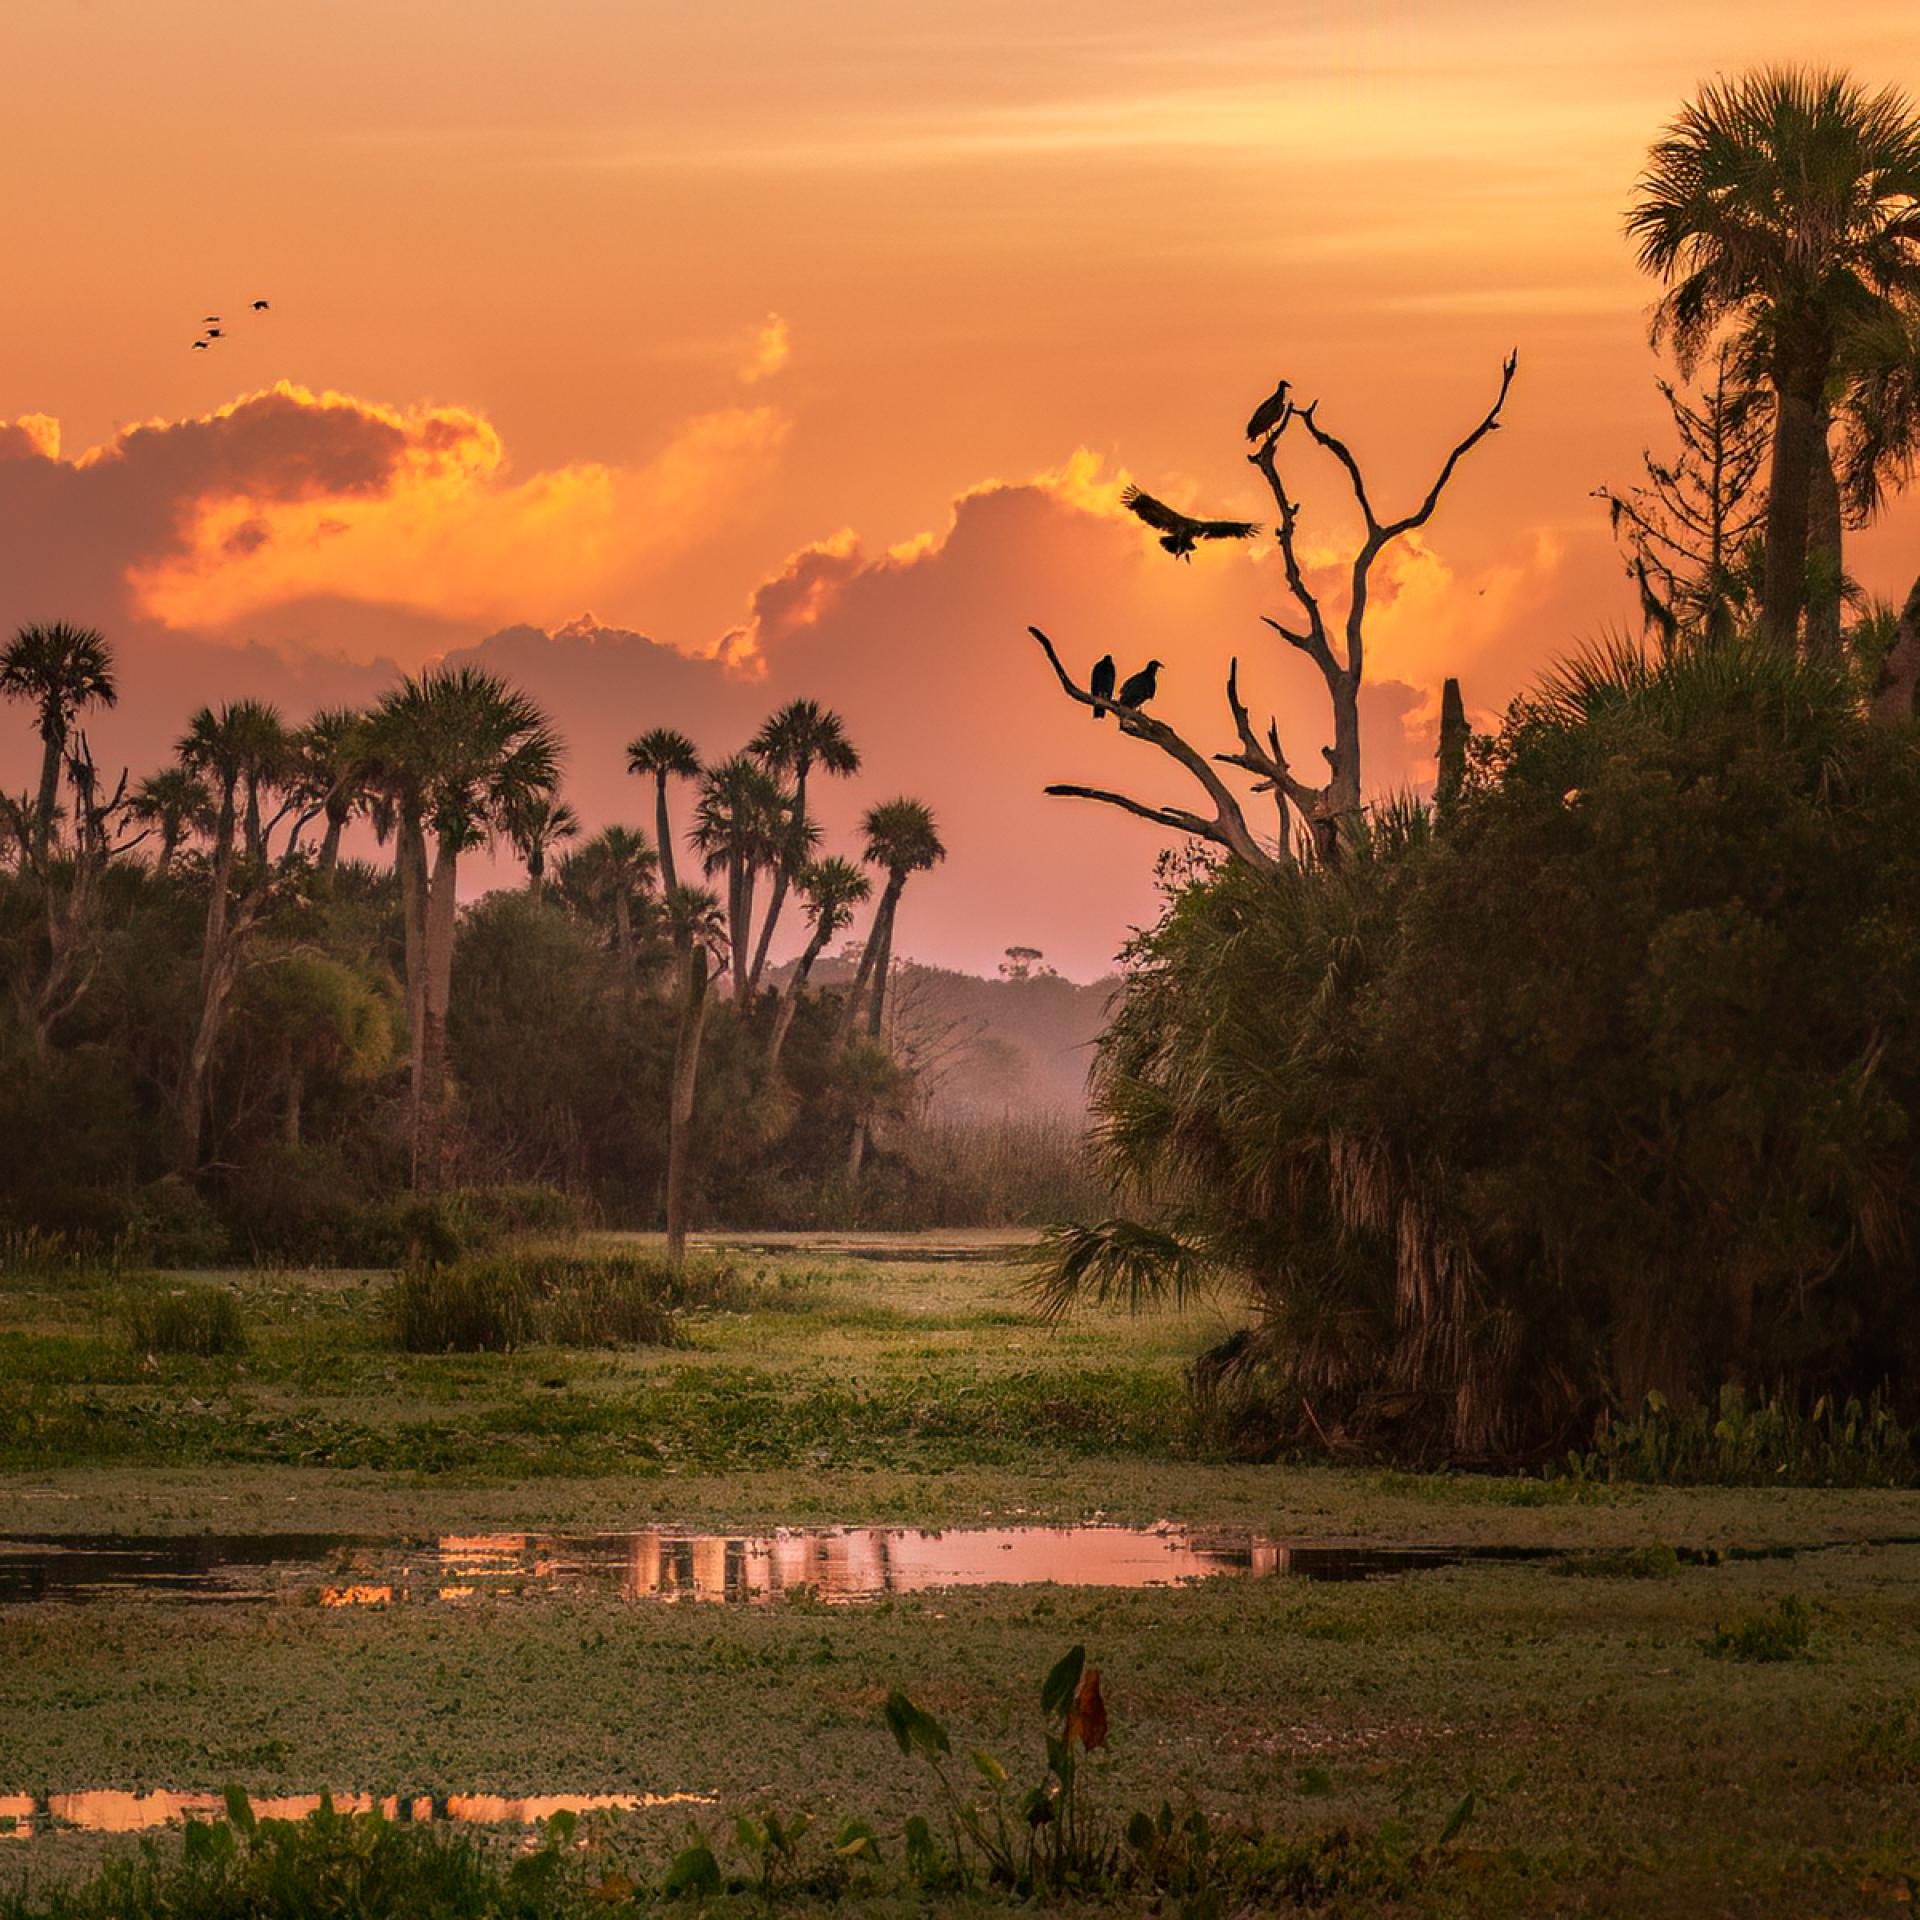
820,338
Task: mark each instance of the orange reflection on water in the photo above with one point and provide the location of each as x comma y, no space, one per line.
18,1808
360,1596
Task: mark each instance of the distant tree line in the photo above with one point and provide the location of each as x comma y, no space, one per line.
217,1015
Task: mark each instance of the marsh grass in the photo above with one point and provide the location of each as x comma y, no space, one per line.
535,1297
1768,1637
185,1318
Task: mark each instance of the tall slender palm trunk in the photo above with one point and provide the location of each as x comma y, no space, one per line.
1826,559
1799,395
430,1095
680,1102
54,738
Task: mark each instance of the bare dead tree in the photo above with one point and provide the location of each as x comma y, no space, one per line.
1328,809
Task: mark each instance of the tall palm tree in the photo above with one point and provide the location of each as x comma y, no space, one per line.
175,801
738,830
831,888
610,875
801,736
462,752
664,755
59,669
901,839
536,824
1787,204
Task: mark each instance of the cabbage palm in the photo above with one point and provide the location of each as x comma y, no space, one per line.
609,876
664,755
175,802
831,888
739,830
536,823
461,753
801,736
332,771
901,839
59,669
1785,204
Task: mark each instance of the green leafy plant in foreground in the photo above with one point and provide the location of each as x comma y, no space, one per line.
1049,1839
1786,1633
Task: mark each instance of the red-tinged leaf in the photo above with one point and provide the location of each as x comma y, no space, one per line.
1087,1717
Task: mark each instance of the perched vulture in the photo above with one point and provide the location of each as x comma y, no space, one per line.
1269,414
1177,532
1101,685
1139,687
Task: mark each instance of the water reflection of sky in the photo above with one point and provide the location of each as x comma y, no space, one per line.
108,1810
832,1564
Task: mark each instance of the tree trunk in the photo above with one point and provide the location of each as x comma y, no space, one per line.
1893,697
740,932
410,868
851,1008
217,967
882,965
1455,736
330,841
790,999
1799,386
256,849
55,738
1826,576
686,1082
430,1100
781,881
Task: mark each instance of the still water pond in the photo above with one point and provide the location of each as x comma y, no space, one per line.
831,1564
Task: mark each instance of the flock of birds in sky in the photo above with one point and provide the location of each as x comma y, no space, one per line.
215,331
1180,533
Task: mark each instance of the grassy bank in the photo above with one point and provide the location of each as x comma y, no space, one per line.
1639,1735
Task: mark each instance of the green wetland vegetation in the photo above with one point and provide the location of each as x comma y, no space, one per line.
1618,1707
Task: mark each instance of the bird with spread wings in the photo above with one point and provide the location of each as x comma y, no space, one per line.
1179,532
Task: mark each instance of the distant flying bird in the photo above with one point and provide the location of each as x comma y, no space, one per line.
1179,532
1269,414
1101,685
216,333
209,319
259,306
200,346
1139,687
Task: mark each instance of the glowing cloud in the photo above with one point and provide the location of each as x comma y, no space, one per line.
293,495
772,349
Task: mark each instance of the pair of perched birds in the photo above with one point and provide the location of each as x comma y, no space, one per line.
1180,532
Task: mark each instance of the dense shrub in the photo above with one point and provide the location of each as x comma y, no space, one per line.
1604,1085
202,1320
552,1299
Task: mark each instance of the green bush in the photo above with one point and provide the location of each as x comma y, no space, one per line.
1786,1633
1607,1081
534,1298
184,1319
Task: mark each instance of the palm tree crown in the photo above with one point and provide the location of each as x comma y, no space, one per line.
59,669
901,838
1787,205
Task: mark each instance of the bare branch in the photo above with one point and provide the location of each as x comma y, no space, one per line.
1229,823
1489,424
1176,817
